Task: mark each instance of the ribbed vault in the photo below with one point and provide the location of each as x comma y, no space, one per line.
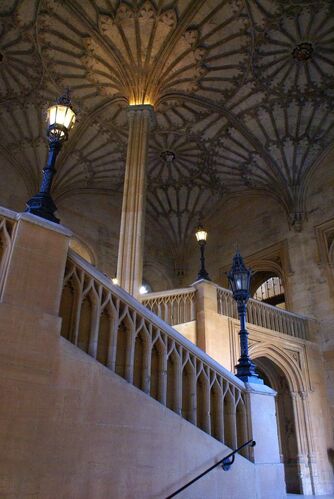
242,91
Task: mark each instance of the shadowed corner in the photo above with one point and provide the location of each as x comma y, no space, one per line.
330,453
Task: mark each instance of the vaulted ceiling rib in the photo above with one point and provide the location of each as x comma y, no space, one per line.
243,92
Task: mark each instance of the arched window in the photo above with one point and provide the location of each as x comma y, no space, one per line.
271,291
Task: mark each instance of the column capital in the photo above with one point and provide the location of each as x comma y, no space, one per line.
302,394
142,109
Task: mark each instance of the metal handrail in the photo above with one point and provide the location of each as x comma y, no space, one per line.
226,463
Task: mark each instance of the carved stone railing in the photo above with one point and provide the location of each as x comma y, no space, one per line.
174,307
8,221
264,315
116,330
178,306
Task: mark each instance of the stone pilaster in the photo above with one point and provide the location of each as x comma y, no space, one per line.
306,459
131,241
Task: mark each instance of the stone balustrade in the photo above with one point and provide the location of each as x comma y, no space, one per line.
264,315
174,307
113,330
8,222
116,330
178,306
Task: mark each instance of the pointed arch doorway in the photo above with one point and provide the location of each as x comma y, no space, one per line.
274,377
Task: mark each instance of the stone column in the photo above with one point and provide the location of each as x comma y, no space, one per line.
131,240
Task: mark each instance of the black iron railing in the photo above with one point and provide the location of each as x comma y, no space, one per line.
225,463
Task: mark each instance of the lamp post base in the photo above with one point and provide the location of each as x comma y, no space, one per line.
246,371
251,379
43,206
203,275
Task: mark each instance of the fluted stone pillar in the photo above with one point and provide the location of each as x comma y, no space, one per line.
131,241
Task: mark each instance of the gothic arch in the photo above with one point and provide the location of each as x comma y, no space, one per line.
298,392
283,360
83,249
155,269
265,269
287,430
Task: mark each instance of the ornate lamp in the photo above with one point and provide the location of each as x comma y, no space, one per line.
239,279
61,119
201,236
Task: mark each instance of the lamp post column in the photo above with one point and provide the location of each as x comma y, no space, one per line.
61,119
245,367
131,240
239,279
42,203
201,236
202,274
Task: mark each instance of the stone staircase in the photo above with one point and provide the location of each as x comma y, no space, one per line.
110,401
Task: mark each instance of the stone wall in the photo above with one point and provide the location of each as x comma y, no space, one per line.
261,229
71,428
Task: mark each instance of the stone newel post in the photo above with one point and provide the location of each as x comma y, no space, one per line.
131,241
35,272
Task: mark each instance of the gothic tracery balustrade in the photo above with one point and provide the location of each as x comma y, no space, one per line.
265,315
178,306
108,324
174,307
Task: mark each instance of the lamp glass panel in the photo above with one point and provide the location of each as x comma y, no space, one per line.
52,113
245,280
238,280
61,115
201,235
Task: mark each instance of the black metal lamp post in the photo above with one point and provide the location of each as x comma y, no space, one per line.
61,119
239,279
201,236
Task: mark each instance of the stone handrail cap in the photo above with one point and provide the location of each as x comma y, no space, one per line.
8,213
261,389
47,224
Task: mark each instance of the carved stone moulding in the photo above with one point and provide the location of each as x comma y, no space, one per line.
303,52
143,51
167,156
20,69
297,54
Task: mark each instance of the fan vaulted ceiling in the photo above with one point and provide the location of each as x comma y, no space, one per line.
242,89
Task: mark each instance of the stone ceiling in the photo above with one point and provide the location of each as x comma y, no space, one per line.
242,89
